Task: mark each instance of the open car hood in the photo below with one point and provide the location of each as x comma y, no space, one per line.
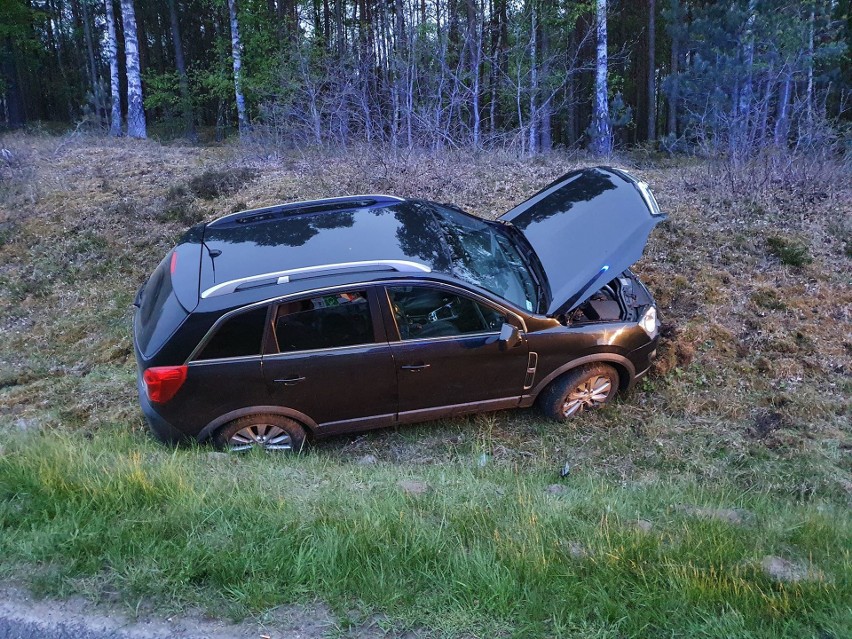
586,228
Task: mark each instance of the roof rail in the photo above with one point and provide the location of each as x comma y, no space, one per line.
295,207
282,277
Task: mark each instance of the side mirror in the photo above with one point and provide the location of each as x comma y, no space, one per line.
509,336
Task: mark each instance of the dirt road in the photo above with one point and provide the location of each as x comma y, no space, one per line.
23,617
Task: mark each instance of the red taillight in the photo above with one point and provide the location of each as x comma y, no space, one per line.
162,382
173,263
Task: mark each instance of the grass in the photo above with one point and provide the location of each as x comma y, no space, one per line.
748,407
485,550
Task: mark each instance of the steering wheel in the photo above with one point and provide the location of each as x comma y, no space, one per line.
434,315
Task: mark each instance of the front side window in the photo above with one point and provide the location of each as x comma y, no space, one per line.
326,321
423,312
239,336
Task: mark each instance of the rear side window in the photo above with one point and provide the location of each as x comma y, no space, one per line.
239,336
328,321
160,313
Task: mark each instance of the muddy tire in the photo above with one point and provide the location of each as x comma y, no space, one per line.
578,391
272,433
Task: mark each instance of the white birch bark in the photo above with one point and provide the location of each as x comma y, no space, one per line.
533,131
112,53
601,130
136,127
810,90
782,123
236,54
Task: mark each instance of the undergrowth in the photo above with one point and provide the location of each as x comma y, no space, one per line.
748,406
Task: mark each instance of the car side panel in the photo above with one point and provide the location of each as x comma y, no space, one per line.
335,385
560,348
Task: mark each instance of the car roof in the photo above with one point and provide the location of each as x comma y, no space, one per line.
297,247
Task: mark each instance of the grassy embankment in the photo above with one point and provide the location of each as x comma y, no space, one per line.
684,500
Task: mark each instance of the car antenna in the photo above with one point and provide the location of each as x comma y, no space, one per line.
213,253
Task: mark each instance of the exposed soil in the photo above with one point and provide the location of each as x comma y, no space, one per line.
22,616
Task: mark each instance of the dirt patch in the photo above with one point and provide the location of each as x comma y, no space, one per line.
735,516
23,615
789,571
413,487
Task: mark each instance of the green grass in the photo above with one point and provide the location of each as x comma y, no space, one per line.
485,550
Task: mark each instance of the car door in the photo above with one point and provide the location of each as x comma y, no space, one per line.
331,361
448,355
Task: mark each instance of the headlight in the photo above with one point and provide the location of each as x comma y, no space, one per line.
649,321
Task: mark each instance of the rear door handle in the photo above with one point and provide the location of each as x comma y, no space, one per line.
290,381
415,367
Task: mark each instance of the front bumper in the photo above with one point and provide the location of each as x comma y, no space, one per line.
642,359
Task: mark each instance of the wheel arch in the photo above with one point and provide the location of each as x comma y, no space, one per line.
304,421
626,371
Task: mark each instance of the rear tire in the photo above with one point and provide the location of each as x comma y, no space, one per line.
577,391
272,433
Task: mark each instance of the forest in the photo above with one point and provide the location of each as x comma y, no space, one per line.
731,78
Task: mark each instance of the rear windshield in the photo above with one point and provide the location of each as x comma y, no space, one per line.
159,313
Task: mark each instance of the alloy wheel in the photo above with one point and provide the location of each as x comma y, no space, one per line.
591,393
265,436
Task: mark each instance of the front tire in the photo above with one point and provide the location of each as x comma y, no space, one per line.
272,433
578,391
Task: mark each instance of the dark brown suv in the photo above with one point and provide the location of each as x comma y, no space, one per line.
345,314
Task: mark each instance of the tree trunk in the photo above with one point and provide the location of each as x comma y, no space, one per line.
15,112
93,66
340,38
136,127
186,100
740,133
810,89
672,119
236,52
114,86
475,40
546,111
782,121
601,130
533,130
652,71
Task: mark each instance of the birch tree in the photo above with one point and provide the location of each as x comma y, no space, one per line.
236,53
601,130
114,86
533,131
136,127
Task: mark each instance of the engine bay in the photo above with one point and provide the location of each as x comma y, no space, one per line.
621,299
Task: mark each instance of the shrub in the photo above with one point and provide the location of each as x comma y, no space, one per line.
214,183
790,252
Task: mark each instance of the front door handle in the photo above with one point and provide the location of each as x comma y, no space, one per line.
415,367
290,381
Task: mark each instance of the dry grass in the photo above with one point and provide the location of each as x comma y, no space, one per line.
84,220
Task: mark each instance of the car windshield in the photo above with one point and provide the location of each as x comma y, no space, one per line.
486,257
